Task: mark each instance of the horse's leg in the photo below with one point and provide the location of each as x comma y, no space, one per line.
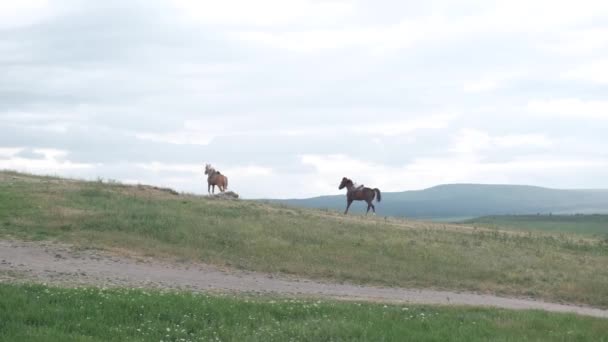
368,207
371,202
208,188
348,206
213,189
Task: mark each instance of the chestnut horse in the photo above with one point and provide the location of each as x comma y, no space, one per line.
359,194
214,178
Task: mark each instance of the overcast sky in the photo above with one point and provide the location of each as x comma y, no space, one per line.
287,97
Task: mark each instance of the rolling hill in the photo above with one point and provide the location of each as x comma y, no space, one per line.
461,201
245,235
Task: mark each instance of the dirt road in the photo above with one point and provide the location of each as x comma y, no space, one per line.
64,265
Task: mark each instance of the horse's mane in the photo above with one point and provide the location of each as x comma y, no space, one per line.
347,182
213,171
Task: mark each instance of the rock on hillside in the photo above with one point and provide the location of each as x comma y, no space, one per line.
230,195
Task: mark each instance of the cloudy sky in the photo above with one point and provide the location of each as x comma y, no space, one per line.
287,97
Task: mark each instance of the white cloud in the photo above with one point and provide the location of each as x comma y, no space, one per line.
43,122
472,141
491,81
570,108
362,122
165,167
377,40
264,13
382,123
542,15
523,140
538,18
399,127
177,138
469,141
23,12
9,152
249,171
51,161
579,42
594,72
194,132
240,171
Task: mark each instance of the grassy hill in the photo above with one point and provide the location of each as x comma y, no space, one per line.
582,224
309,243
460,201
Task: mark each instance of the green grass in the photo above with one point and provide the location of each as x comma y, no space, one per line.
593,225
308,243
39,313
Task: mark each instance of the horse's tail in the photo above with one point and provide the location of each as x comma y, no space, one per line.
378,194
225,182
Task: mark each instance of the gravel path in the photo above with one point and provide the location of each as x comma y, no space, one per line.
62,264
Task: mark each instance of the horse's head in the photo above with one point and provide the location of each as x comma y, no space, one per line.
344,183
208,169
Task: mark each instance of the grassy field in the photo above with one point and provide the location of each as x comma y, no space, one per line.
308,243
594,225
39,313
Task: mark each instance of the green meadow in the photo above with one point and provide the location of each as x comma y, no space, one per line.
40,313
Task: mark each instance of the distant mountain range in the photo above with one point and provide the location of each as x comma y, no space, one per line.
462,201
